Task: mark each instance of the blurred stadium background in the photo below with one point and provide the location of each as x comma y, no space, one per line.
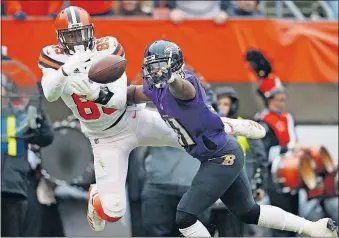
300,39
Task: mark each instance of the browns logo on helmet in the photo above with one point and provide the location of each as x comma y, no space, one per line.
74,28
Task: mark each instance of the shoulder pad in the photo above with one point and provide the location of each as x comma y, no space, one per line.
51,56
109,45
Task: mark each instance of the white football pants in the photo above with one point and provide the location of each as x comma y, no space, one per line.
137,128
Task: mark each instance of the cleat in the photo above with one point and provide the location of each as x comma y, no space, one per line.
247,128
324,228
94,221
331,226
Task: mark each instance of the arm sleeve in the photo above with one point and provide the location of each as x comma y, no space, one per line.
146,90
12,7
53,83
197,86
119,90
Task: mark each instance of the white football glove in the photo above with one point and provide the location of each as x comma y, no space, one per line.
82,88
78,61
247,128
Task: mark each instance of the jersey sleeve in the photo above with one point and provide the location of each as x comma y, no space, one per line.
151,94
118,49
48,59
109,45
199,95
53,81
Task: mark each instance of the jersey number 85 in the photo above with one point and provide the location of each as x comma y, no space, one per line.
89,110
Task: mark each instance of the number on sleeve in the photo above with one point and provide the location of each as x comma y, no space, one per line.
58,50
184,137
89,110
103,44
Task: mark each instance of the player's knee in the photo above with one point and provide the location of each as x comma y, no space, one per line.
184,219
113,207
251,216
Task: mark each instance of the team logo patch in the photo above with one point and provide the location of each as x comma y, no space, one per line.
224,160
228,160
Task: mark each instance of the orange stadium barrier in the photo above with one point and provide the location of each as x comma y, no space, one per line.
302,52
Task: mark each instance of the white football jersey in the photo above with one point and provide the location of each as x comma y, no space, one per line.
94,118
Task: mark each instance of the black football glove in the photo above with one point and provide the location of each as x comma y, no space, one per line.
259,63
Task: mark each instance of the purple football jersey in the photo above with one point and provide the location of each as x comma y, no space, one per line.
199,128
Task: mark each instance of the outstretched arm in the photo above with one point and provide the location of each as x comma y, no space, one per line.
180,88
136,95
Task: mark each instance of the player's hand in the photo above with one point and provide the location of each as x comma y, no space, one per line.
220,18
83,89
176,16
78,61
166,74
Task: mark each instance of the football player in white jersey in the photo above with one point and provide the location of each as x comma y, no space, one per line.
113,127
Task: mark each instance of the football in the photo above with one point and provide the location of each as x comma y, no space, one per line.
107,69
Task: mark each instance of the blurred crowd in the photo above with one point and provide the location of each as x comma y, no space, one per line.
177,11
